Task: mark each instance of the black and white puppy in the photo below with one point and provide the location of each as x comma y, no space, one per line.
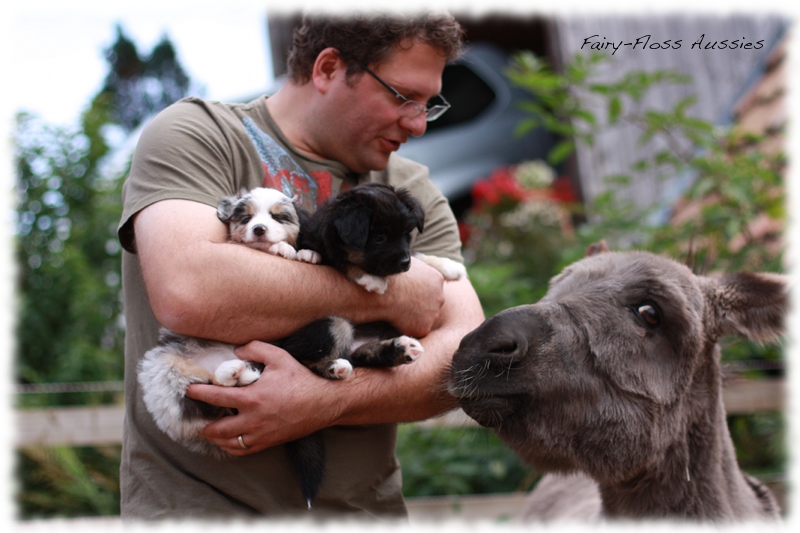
264,219
364,233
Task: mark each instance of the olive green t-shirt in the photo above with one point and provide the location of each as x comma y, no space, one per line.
201,151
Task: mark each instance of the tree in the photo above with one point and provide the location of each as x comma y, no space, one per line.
136,88
70,325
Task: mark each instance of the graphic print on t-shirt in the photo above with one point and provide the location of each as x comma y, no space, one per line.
282,172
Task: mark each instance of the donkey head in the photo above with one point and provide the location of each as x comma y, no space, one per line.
606,371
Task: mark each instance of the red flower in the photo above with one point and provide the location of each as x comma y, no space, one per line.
464,231
563,191
500,187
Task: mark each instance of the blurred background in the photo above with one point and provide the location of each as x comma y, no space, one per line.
552,143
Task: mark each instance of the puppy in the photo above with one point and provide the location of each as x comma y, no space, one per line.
364,233
264,219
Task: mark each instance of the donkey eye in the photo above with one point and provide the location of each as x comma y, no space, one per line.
649,313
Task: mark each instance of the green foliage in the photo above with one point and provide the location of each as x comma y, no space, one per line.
138,87
562,102
457,461
501,285
761,442
69,317
736,192
735,184
516,230
68,482
731,216
68,290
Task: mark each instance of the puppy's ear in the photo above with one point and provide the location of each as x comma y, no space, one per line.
225,208
413,205
353,227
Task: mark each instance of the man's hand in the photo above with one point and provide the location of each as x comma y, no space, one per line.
414,300
289,401
286,403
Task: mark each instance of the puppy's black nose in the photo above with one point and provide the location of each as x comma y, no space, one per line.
259,230
405,263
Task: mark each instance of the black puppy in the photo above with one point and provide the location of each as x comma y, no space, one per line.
365,233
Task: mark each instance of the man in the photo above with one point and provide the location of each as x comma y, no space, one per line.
353,97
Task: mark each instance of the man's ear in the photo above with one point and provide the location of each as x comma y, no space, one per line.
328,67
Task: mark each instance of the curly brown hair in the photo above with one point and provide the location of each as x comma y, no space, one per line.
369,38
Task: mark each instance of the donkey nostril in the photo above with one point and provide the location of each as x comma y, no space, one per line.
504,348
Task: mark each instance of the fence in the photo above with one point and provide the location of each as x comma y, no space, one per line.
97,425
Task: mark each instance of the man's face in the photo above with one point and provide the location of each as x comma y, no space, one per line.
368,128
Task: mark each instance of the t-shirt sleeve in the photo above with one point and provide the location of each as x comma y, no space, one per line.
183,153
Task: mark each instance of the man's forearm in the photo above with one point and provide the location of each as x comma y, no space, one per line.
415,391
289,402
200,285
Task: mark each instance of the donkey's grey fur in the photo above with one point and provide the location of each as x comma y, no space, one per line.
615,373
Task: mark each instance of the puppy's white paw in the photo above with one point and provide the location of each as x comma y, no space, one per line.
283,249
235,372
413,349
451,270
340,369
248,376
309,256
373,283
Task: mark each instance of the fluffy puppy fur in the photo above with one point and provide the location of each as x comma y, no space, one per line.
264,219
365,233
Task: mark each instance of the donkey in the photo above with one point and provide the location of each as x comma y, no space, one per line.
615,374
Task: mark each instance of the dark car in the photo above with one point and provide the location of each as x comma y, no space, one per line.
477,135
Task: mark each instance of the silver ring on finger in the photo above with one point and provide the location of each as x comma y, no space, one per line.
242,445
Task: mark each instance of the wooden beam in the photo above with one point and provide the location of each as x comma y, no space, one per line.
71,426
746,396
91,426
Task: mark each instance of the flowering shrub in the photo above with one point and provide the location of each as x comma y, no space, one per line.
513,234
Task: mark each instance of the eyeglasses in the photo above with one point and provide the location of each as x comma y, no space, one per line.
410,108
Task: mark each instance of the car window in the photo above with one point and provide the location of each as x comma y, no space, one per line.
467,93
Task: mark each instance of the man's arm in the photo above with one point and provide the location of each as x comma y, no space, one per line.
199,284
289,402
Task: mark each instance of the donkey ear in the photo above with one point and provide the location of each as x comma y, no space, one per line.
596,248
353,227
751,305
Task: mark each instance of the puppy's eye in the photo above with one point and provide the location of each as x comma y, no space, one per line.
281,218
649,313
380,239
245,219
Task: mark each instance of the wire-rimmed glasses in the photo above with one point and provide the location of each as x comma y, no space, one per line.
410,108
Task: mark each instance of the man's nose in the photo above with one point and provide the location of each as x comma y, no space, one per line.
415,126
